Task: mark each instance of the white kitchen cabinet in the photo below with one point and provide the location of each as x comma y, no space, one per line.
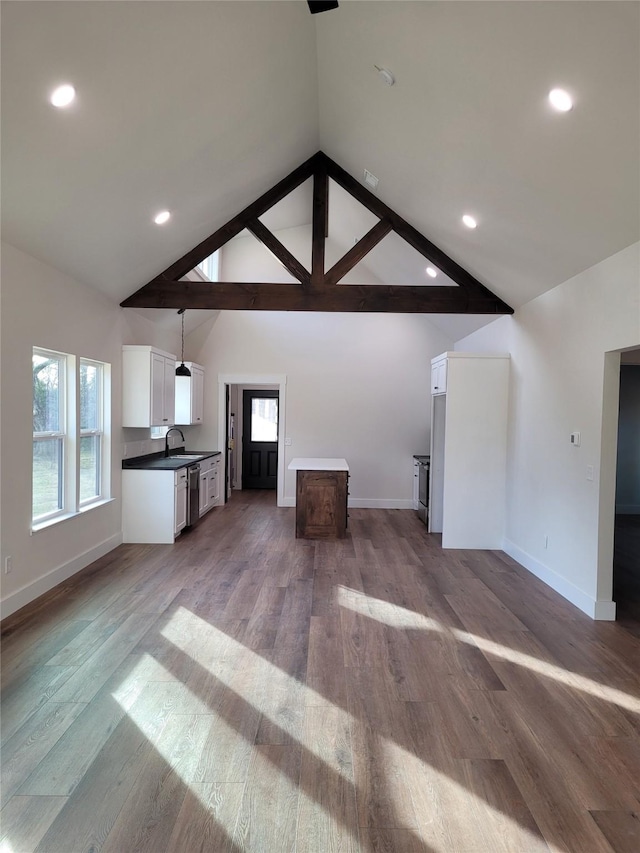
154,505
190,395
467,501
203,494
439,375
209,483
214,485
180,515
148,387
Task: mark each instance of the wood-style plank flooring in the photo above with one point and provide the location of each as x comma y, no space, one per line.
242,690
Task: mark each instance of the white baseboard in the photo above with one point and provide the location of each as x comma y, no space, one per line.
26,594
627,509
600,610
367,503
380,503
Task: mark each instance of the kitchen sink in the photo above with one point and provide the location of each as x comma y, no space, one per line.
186,456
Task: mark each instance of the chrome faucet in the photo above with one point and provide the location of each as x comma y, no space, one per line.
166,439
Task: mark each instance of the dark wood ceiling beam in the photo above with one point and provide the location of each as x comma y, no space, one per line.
318,291
419,242
259,296
292,264
319,225
357,253
234,226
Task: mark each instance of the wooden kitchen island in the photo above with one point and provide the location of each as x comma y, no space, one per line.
321,497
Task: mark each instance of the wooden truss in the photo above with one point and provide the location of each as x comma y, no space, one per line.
317,289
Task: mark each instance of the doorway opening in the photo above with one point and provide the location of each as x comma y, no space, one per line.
268,423
626,547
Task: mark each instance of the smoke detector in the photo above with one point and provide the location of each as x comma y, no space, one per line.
386,75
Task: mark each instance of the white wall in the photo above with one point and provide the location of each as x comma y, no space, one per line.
357,387
43,307
562,381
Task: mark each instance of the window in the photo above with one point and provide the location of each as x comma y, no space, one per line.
210,267
49,434
159,432
91,384
70,427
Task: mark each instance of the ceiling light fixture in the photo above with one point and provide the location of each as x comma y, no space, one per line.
560,100
386,75
63,96
469,221
182,369
432,272
162,217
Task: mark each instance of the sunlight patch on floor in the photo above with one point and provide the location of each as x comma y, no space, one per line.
396,616
266,687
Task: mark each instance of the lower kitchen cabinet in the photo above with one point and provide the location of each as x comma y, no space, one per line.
181,487
321,504
209,484
154,505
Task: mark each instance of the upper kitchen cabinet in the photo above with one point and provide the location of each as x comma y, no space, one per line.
148,387
439,374
190,395
469,451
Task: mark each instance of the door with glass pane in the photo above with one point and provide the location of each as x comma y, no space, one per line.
259,439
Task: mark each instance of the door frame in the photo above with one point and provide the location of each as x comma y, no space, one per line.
279,382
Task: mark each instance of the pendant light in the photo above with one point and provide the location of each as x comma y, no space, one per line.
182,370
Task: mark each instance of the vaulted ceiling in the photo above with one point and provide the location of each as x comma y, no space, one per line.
200,107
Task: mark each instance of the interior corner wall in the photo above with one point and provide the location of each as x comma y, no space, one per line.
357,387
43,307
559,344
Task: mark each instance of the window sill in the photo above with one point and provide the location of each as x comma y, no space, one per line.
51,522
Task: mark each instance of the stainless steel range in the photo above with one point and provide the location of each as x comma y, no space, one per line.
424,463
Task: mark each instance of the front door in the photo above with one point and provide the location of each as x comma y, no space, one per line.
260,439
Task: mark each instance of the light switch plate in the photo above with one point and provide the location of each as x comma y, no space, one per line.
575,439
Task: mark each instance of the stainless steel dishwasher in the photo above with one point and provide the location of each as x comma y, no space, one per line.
193,494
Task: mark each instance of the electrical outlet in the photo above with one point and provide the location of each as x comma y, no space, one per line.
287,442
589,472
8,565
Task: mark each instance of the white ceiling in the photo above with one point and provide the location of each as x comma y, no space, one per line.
200,107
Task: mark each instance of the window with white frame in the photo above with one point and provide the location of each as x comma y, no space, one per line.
49,433
210,267
70,425
91,430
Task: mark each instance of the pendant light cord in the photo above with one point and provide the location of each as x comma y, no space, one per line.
182,370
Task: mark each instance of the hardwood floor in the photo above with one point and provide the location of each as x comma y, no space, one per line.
242,690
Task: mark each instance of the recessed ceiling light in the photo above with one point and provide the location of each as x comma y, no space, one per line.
63,95
469,221
162,217
432,272
560,100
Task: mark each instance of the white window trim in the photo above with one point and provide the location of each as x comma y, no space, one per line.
61,435
70,408
82,504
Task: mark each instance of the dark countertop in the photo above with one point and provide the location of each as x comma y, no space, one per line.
159,462
421,457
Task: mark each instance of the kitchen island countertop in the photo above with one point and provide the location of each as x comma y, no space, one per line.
310,463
